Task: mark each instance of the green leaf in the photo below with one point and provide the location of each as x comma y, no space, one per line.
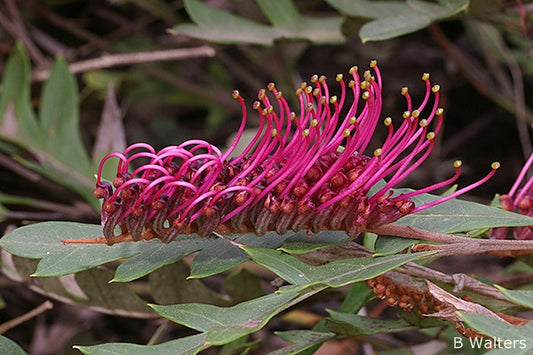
220,26
184,346
16,97
347,324
356,298
302,243
59,119
521,297
302,339
243,285
460,216
169,285
510,339
335,274
67,160
8,346
220,255
389,245
111,298
369,9
44,241
155,255
396,18
224,325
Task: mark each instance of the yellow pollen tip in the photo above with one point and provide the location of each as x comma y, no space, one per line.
269,109
256,105
235,94
430,135
352,120
274,132
339,77
364,84
303,85
423,123
279,95
353,70
457,164
316,92
292,116
351,84
323,100
322,78
314,122
367,75
439,111
425,76
299,92
308,90
387,121
309,107
405,90
261,94
314,78
378,152
495,165
373,63
406,114
415,113
435,89
346,133
333,100
305,132
365,95
271,86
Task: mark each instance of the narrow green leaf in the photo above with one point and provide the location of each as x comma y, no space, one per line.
220,255
243,285
155,255
16,97
370,9
391,27
8,346
220,26
302,243
521,297
302,339
282,14
59,119
40,239
348,324
507,338
169,285
388,245
111,298
64,157
393,20
224,325
460,216
335,274
184,346
356,298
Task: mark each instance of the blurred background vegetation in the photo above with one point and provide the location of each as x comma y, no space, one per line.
479,51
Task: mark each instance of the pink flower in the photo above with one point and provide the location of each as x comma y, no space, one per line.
518,200
302,170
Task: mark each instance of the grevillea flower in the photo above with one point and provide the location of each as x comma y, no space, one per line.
518,200
303,170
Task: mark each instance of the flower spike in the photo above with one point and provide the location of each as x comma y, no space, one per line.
302,170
